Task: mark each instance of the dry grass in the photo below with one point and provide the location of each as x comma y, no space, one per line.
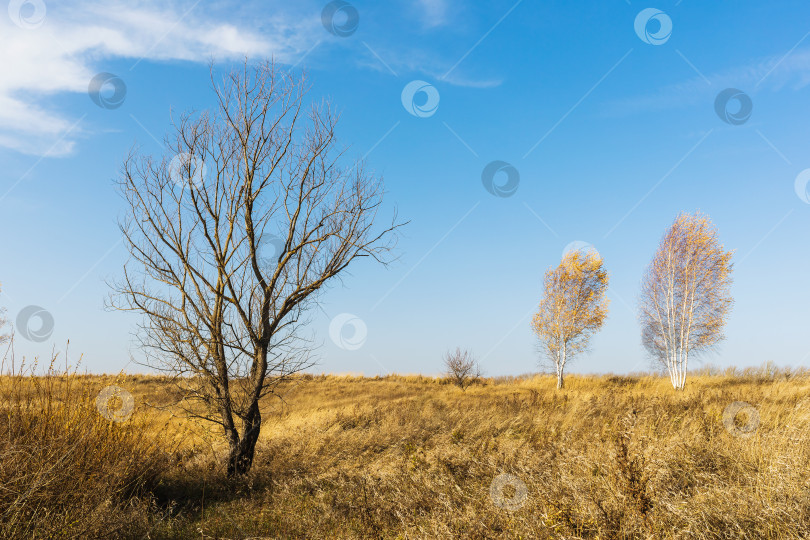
65,470
415,457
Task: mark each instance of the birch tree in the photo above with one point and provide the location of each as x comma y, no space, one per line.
261,171
685,297
573,308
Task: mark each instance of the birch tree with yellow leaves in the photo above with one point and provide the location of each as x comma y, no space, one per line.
685,297
573,308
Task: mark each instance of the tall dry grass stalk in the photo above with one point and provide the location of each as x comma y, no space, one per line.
66,471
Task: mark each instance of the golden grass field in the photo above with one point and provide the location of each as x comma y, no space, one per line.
415,457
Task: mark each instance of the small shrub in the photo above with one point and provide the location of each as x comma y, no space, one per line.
462,368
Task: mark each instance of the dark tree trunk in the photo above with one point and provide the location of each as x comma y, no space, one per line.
240,456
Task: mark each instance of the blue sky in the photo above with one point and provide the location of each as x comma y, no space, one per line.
611,133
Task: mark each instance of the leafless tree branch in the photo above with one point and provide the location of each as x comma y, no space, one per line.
261,170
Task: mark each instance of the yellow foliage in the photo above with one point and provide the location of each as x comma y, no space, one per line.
574,306
685,296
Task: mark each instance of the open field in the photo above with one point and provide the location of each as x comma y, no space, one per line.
414,457
508,207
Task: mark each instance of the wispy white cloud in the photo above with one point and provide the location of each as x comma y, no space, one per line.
791,71
68,48
459,80
432,13
418,63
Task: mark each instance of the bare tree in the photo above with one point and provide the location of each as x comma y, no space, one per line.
573,307
685,297
461,367
232,239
